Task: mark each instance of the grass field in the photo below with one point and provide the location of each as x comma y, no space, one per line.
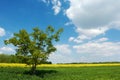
101,72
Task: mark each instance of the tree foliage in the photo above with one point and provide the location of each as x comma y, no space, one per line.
6,58
34,48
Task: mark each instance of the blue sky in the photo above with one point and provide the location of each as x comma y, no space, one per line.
91,27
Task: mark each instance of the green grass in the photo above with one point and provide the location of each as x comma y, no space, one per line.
70,73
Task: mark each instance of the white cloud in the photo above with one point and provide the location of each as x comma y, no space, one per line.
99,48
2,32
7,50
94,17
56,6
65,54
99,12
71,38
60,58
62,55
76,40
68,23
87,34
91,32
93,51
104,39
64,49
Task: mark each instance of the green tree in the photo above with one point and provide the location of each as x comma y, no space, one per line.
7,58
34,48
4,58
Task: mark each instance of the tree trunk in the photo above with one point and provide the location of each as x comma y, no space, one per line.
33,69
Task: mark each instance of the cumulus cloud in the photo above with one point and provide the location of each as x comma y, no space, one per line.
100,47
94,17
65,54
93,12
62,54
61,58
104,39
7,50
93,51
64,48
2,32
87,34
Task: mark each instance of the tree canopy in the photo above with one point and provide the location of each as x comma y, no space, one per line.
34,48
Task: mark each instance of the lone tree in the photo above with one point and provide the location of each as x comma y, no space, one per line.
34,48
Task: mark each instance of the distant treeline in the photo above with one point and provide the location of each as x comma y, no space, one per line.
6,58
91,62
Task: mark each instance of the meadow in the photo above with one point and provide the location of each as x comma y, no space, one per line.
61,72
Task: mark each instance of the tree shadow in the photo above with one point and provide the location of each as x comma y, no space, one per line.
40,73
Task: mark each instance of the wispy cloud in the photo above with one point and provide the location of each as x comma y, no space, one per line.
56,5
68,23
45,1
2,32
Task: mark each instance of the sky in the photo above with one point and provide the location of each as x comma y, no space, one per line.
91,27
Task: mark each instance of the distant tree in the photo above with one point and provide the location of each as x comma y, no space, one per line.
7,58
14,59
34,48
4,58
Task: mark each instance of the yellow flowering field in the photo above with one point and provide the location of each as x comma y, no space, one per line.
56,65
12,65
76,65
